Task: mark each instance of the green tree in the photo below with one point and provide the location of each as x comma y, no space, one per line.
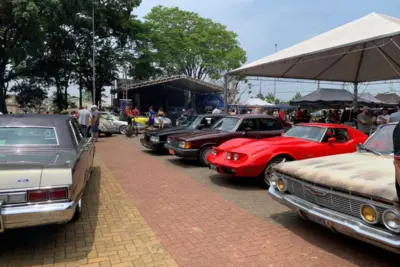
185,43
22,32
271,98
296,96
29,95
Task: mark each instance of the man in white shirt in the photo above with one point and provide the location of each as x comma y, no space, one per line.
384,118
216,111
83,119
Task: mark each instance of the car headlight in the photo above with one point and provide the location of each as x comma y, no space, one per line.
391,220
369,214
229,155
272,179
168,141
281,184
154,139
185,145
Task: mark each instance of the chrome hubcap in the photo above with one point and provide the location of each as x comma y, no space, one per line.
268,171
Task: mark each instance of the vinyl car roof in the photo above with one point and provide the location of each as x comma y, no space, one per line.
59,122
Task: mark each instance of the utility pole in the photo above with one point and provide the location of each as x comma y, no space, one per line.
276,50
94,57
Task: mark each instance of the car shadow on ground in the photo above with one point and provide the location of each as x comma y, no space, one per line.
53,244
357,252
155,153
236,183
185,163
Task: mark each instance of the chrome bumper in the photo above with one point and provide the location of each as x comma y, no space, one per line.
35,215
338,222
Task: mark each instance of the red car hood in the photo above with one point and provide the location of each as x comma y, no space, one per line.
251,147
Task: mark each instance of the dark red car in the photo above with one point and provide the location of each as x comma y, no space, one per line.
199,144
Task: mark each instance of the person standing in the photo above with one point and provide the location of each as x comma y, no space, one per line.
152,116
216,110
83,119
95,122
161,114
136,112
364,120
395,116
384,118
128,113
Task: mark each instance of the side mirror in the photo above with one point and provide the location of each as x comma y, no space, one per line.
247,129
201,126
331,139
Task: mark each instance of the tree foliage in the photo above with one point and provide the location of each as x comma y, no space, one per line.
29,95
296,96
52,41
186,43
271,98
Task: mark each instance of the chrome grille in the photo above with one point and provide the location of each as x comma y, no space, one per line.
327,198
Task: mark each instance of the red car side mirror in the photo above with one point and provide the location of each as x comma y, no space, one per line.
331,140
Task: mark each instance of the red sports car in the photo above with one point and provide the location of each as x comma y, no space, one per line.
244,157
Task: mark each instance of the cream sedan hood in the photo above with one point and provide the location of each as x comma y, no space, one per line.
363,173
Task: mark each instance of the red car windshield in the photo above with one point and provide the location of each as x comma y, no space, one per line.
382,140
306,132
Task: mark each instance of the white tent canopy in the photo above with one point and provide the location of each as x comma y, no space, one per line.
367,49
256,102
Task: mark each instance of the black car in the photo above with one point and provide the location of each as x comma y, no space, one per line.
155,140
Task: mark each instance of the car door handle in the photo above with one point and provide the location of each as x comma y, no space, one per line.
258,136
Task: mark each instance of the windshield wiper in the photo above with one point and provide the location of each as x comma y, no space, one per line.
369,150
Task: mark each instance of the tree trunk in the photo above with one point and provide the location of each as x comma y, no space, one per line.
3,105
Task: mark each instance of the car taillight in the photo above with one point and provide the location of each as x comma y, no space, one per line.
50,194
57,194
37,196
215,151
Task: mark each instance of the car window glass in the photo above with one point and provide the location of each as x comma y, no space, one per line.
341,135
10,136
105,116
382,140
77,131
270,125
248,123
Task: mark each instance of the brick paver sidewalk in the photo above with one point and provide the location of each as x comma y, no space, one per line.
111,231
200,228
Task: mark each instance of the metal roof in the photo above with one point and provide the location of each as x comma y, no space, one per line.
181,82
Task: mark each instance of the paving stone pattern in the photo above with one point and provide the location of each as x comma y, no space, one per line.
200,228
111,232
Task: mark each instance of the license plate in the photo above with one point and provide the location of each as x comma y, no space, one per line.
317,220
171,151
213,167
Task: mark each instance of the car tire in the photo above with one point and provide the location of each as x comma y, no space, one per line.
203,155
268,170
108,134
78,212
122,129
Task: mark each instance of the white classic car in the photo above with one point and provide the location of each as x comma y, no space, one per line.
354,194
45,163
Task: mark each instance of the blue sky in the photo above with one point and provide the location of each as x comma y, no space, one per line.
260,24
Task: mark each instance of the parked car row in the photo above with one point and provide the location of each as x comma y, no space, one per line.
332,174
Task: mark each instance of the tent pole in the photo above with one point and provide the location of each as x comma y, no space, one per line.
226,94
355,104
